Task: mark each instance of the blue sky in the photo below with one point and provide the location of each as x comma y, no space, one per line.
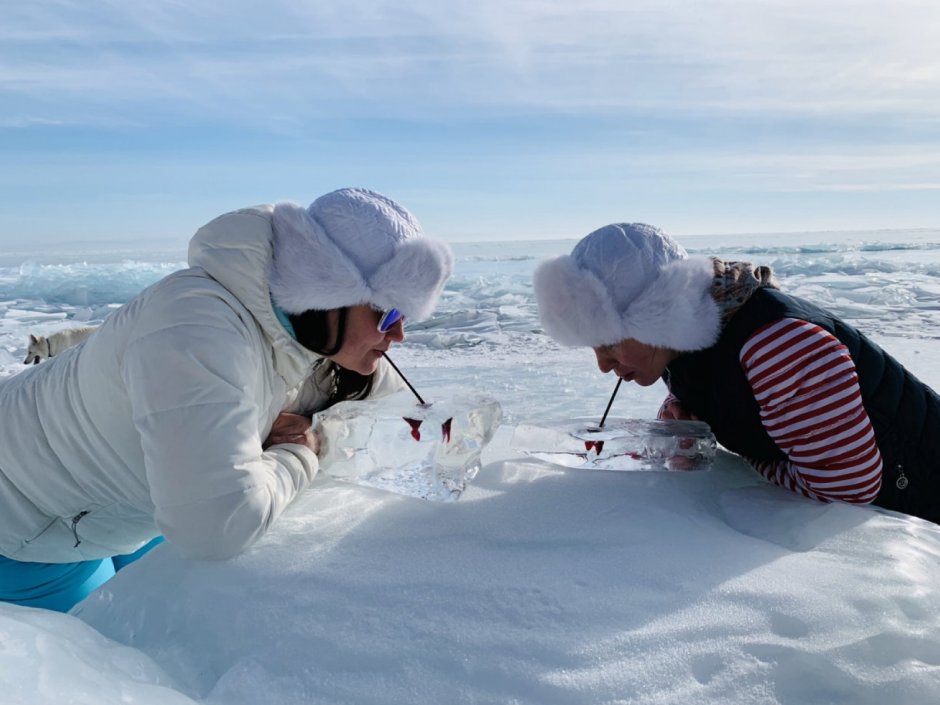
490,119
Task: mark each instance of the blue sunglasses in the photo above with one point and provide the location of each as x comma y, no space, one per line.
389,318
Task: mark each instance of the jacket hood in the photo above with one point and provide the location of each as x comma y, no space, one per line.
236,249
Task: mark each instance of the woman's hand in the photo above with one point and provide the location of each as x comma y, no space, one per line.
672,410
293,428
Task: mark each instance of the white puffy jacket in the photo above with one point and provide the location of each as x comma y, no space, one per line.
155,423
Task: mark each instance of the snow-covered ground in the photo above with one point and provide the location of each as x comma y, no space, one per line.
540,585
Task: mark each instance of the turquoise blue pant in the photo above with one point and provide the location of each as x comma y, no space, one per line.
59,586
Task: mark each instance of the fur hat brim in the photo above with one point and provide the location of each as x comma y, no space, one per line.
311,272
676,311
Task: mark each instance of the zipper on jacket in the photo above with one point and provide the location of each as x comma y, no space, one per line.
902,481
75,519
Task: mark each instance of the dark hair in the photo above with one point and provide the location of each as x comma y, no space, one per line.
312,329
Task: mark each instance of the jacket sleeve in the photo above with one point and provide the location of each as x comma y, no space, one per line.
196,393
806,385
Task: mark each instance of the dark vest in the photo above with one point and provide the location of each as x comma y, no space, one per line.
904,412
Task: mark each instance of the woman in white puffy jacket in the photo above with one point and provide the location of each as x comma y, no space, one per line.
187,413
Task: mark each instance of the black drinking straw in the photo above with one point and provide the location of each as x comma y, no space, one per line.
405,379
606,411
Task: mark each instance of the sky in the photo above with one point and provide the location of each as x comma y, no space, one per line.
489,119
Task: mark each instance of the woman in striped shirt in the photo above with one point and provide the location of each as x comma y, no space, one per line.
813,404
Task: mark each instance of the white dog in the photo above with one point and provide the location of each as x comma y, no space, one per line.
40,347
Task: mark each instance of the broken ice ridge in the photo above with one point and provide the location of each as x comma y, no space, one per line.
622,444
429,451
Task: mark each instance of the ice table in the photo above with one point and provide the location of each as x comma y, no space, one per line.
429,451
622,444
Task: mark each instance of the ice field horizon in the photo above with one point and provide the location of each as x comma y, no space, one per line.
887,282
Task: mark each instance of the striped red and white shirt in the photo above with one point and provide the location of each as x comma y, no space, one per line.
806,385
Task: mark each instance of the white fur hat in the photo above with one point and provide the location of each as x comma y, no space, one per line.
355,246
628,281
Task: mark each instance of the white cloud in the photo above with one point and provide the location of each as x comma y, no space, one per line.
424,57
713,99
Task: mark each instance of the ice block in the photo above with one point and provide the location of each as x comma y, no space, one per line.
622,444
429,451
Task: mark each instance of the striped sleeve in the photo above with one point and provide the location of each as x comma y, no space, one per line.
806,385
